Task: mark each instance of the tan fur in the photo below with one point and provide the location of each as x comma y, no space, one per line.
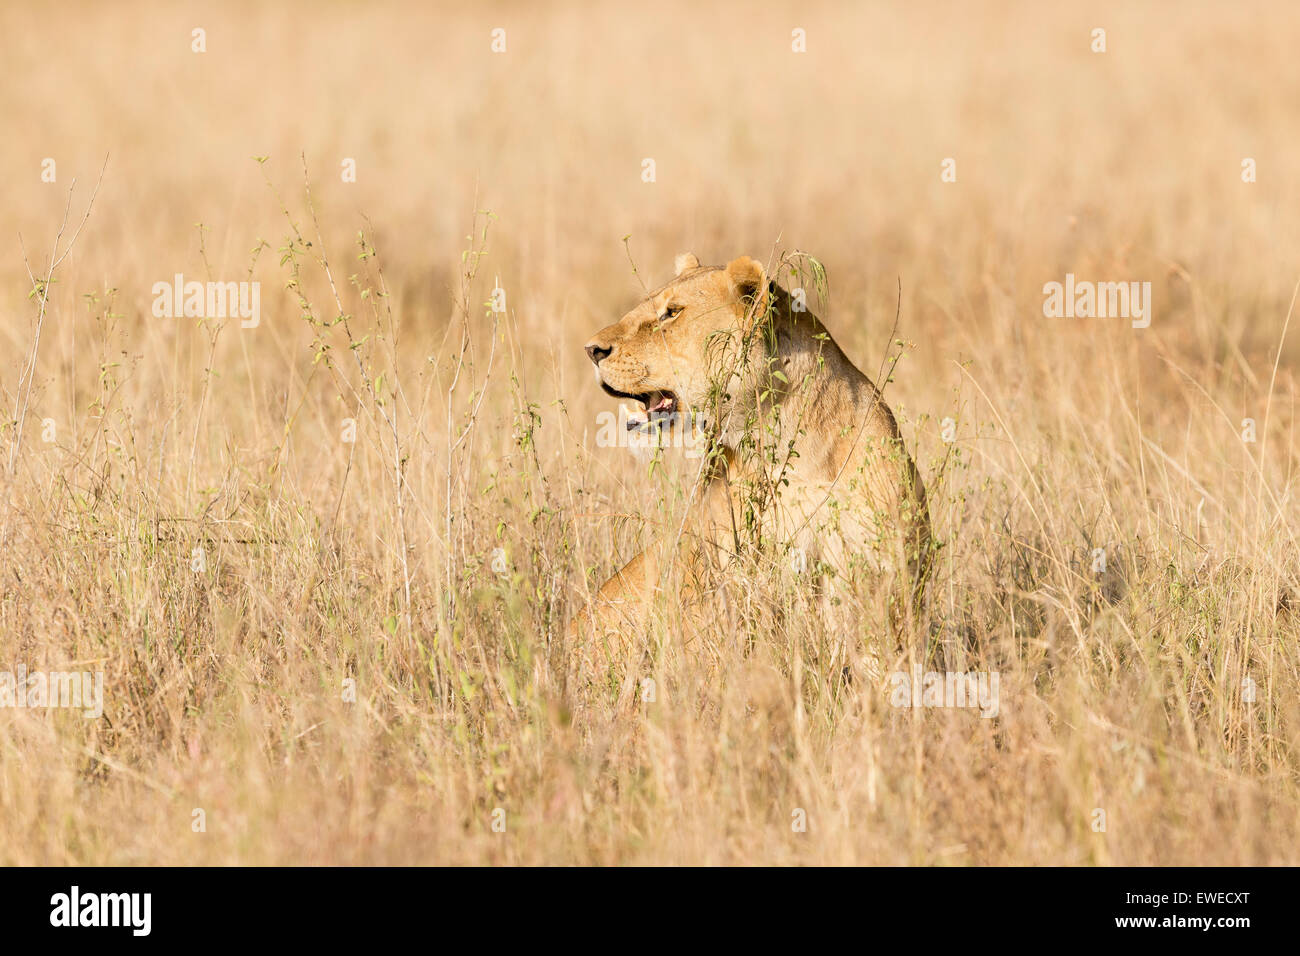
853,497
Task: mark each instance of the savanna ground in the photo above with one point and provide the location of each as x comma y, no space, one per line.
1162,691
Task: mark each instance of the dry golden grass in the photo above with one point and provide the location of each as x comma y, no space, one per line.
224,689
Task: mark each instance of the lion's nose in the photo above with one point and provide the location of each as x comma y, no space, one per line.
598,352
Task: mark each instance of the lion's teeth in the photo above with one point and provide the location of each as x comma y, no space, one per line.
634,416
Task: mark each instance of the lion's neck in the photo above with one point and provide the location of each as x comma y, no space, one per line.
810,394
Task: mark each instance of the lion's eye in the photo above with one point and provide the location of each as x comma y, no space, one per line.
670,312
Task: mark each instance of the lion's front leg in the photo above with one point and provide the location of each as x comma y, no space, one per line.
682,561
622,602
604,634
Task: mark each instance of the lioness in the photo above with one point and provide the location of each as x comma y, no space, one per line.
804,454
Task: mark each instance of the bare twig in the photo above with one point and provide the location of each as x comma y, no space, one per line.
42,287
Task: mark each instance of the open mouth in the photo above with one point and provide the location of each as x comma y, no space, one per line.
658,405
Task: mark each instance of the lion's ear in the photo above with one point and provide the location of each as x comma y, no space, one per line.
746,275
750,280
685,262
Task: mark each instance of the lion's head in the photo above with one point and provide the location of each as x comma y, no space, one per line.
679,351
